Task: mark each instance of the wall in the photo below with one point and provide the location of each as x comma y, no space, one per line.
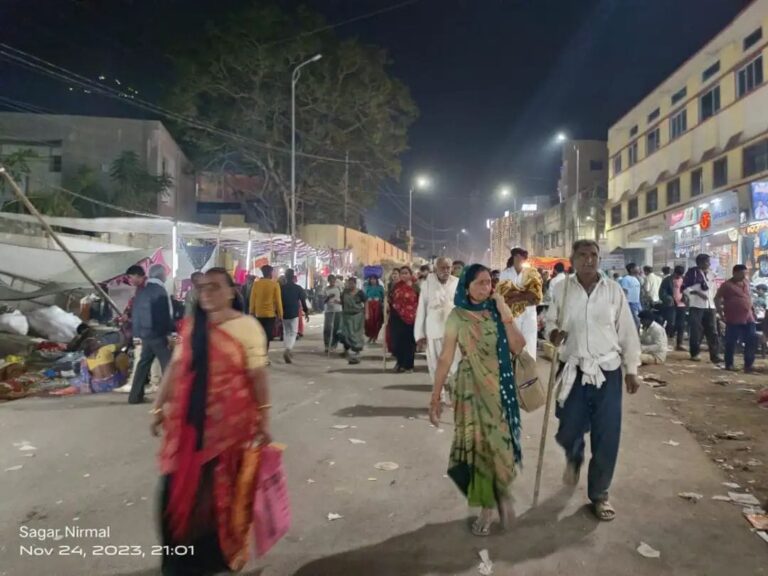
366,249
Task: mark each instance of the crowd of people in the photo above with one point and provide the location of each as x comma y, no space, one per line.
472,322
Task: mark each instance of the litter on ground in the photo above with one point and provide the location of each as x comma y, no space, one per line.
340,426
720,498
356,441
672,443
486,566
731,485
647,551
744,499
386,466
333,516
691,496
14,468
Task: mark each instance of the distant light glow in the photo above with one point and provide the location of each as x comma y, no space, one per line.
423,182
505,191
529,207
561,137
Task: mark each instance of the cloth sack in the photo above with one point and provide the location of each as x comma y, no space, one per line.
14,323
271,508
530,389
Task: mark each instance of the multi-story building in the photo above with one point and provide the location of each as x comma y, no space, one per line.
688,158
516,228
62,144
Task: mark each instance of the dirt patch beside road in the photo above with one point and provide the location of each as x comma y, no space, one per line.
720,409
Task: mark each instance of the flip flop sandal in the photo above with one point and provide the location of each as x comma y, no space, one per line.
482,527
604,511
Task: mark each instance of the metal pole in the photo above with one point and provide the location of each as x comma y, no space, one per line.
410,226
294,79
219,258
547,410
346,196
31,207
432,223
578,216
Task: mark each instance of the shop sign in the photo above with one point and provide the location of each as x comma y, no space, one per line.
647,228
724,212
683,218
755,228
759,200
705,221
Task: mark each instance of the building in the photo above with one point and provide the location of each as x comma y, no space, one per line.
686,161
62,144
514,228
365,249
219,194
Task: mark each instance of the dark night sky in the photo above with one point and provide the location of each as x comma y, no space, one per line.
493,79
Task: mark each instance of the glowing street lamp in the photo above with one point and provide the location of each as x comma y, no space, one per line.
421,182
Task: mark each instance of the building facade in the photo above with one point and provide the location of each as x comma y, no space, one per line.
688,163
62,144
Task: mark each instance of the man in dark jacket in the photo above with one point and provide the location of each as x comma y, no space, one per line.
152,324
292,296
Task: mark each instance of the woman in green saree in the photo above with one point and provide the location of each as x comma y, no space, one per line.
486,443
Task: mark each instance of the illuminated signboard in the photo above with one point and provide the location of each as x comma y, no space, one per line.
759,201
529,208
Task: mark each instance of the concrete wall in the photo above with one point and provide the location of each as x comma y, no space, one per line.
366,249
96,142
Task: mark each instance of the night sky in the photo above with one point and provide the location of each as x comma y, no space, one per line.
494,79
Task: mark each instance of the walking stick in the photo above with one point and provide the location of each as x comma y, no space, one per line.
547,410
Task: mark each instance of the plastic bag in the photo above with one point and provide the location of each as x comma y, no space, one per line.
54,324
271,508
14,323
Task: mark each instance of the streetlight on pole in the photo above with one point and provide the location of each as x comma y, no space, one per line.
505,191
294,79
458,235
420,183
562,138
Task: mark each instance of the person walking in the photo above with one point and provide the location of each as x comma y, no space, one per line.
353,320
405,302
699,287
590,319
266,302
191,298
526,296
332,319
630,283
734,303
212,406
152,325
374,308
486,450
457,268
436,301
673,306
292,296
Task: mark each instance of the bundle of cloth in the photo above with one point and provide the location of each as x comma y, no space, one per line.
531,284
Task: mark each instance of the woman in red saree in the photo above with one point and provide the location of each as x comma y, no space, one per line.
212,406
405,301
374,309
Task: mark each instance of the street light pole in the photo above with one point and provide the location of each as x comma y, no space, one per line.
410,226
294,79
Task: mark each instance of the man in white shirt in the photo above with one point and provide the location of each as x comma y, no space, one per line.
435,303
590,317
526,322
332,320
652,284
653,339
699,287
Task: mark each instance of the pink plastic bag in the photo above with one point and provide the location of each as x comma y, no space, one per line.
271,509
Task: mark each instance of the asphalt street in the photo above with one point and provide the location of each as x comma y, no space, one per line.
90,462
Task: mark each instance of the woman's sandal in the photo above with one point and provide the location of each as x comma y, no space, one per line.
482,525
604,511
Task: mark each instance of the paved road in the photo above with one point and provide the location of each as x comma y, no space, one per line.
94,467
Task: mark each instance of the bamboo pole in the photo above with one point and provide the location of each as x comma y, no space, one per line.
31,207
544,427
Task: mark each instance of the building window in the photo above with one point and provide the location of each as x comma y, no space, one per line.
651,201
616,215
679,95
617,163
632,209
697,182
653,141
756,158
633,131
711,71
595,165
709,103
673,192
750,77
720,172
753,38
55,163
678,124
653,115
632,160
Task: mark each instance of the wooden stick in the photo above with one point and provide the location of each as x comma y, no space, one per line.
545,425
31,207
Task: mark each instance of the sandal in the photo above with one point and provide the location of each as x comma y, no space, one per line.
604,511
482,525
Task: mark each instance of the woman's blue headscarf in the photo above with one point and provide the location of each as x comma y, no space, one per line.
506,370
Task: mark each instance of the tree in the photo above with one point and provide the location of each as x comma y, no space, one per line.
17,165
237,76
138,189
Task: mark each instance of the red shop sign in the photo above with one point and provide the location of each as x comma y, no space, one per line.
706,220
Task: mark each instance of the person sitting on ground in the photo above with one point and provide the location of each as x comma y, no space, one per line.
84,332
653,339
102,369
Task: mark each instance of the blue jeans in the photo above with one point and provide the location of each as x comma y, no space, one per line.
597,412
747,333
635,308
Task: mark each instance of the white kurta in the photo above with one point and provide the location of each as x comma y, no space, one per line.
526,322
435,304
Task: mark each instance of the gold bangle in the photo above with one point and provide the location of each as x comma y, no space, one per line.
156,411
265,407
